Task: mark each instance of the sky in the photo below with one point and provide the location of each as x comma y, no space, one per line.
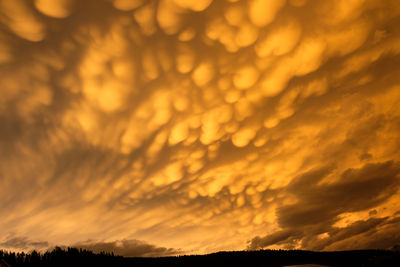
166,127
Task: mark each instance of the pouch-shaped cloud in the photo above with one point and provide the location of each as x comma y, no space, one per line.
199,125
19,19
56,8
263,12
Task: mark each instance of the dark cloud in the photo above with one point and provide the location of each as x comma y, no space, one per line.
16,242
128,248
149,119
374,233
354,229
125,247
372,212
355,190
21,242
320,203
283,236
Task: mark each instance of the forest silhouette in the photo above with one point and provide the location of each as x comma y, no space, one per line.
262,258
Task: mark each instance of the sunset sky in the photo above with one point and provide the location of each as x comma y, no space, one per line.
171,127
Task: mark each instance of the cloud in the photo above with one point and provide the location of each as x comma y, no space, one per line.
374,233
279,237
364,188
17,242
128,248
199,124
125,247
319,205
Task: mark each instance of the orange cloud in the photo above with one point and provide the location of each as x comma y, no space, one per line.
199,125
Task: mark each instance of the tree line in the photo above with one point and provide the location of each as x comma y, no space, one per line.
262,258
59,257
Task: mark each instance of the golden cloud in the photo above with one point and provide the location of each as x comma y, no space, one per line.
200,125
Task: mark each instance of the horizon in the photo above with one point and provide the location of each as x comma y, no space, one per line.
159,127
112,253
66,257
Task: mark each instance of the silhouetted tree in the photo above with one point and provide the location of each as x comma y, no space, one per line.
81,257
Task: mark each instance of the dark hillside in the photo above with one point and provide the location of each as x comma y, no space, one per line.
262,258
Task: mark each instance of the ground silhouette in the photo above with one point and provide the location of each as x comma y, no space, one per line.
262,258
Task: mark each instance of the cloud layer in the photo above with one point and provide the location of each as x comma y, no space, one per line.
127,248
200,125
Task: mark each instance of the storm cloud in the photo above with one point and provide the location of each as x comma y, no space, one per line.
129,248
199,126
22,243
320,202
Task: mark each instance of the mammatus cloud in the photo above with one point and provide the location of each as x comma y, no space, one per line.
200,125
